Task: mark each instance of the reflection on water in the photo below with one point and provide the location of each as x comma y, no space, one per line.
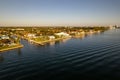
52,43
16,51
65,40
81,36
19,51
1,58
96,57
58,42
87,34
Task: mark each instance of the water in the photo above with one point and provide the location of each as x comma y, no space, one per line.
94,57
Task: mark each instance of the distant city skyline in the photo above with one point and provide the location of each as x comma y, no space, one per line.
59,12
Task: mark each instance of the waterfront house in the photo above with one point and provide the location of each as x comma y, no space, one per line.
51,37
111,27
30,35
62,34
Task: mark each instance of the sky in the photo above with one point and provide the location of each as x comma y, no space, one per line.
59,12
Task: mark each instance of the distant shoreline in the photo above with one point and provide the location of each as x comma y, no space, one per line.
12,47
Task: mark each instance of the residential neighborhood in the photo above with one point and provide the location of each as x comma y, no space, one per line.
11,36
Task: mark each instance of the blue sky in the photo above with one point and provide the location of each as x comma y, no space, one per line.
59,12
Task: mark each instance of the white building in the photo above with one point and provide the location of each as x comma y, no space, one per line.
4,37
51,37
111,27
62,34
31,35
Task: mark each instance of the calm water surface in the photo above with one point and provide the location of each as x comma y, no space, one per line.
94,57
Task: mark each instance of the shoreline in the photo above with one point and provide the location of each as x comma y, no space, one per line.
47,41
12,47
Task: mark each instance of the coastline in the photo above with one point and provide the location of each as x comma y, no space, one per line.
12,47
47,41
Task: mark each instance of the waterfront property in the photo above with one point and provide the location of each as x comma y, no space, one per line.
40,35
91,58
62,34
9,42
14,46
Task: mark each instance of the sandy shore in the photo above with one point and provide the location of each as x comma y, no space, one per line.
12,47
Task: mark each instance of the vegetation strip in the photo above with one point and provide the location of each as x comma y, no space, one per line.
12,47
47,41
